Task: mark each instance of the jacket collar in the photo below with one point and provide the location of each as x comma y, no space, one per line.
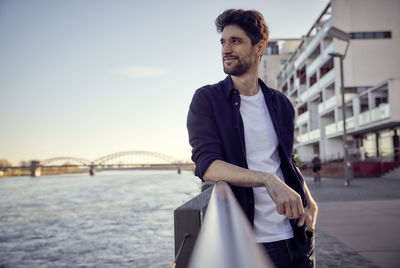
229,89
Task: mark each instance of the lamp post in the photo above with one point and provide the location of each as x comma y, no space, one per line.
345,147
339,34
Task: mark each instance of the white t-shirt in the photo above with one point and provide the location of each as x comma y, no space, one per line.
262,155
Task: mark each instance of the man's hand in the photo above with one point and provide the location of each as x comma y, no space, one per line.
287,201
309,217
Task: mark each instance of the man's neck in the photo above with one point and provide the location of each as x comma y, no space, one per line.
246,84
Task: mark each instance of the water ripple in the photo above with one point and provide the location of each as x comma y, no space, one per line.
114,219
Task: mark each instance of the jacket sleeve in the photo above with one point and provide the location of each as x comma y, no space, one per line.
203,132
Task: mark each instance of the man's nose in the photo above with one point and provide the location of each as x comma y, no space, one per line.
226,49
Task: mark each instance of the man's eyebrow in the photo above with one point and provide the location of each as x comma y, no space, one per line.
232,38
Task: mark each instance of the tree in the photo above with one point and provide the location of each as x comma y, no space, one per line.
4,163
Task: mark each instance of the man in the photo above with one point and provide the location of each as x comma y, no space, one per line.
316,162
242,132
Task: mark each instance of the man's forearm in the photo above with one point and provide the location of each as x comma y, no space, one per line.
223,171
287,201
310,200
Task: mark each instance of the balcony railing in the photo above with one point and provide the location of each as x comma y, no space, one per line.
315,134
326,105
226,239
364,118
309,136
312,44
379,113
330,129
303,138
349,124
303,118
322,83
332,101
312,68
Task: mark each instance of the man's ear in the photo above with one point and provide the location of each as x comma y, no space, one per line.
261,47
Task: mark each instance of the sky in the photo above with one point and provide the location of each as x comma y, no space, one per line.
89,78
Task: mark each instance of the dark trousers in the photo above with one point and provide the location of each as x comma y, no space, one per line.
295,252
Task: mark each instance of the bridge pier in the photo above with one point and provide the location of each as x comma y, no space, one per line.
36,170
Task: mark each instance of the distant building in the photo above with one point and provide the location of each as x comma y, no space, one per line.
311,79
276,55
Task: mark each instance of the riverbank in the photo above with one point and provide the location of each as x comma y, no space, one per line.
26,172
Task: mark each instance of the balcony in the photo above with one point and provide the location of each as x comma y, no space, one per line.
312,44
309,136
328,104
303,118
330,129
319,60
322,83
332,102
303,138
315,134
364,118
379,113
349,124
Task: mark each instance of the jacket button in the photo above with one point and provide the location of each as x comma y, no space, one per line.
236,103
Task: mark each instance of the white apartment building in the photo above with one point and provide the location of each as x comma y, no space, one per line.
371,67
275,56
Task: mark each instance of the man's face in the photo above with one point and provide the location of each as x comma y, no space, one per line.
238,54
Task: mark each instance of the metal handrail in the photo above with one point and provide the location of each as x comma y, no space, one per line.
226,239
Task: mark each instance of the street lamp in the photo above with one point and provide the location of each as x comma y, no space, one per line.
339,34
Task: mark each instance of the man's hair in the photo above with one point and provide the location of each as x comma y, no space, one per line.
251,21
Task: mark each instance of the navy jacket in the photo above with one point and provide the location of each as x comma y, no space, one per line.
216,132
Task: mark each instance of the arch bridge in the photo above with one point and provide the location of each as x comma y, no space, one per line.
136,158
120,160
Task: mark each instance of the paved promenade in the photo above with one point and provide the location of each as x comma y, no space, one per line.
357,225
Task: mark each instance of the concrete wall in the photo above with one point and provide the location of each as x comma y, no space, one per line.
369,61
359,169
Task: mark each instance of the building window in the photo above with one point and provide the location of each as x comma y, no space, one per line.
272,49
369,142
371,35
361,89
385,143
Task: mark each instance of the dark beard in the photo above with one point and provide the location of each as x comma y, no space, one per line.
242,66
239,69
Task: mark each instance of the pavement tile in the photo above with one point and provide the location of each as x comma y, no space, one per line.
387,259
330,252
358,226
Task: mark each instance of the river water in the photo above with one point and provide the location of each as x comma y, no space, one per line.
113,219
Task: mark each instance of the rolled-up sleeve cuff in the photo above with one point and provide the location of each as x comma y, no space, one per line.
203,164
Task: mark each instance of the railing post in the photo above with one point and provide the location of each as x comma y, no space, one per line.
187,222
